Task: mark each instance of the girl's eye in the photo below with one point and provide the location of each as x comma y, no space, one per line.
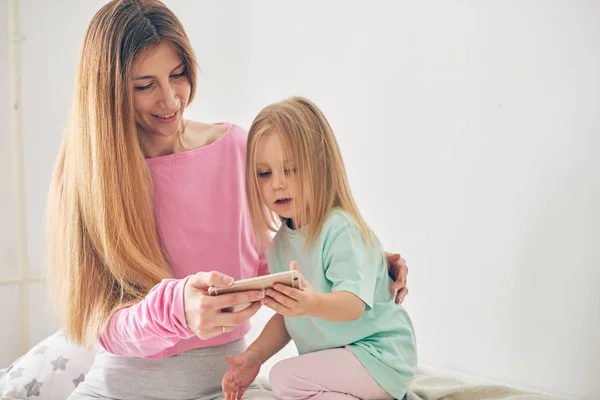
290,171
264,174
141,88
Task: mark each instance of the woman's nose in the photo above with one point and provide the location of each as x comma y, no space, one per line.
168,99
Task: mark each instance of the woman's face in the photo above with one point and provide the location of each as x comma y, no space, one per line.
161,91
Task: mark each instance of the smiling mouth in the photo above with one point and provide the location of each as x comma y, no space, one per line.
166,116
283,201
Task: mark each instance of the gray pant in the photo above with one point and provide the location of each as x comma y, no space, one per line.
192,375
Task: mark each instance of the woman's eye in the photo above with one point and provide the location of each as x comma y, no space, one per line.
141,88
290,171
264,174
179,75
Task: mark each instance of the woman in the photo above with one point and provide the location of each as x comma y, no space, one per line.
142,205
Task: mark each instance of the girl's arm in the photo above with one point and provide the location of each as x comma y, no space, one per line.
341,306
351,266
273,338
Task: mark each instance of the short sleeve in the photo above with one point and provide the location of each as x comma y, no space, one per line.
347,265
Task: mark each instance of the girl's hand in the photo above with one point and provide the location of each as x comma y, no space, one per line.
243,371
203,313
292,302
398,271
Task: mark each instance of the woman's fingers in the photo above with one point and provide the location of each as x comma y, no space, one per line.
235,318
204,315
401,295
204,280
399,284
214,331
398,271
392,257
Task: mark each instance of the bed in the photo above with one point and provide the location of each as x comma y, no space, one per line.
54,367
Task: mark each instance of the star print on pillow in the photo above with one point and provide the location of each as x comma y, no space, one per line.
33,388
50,370
59,363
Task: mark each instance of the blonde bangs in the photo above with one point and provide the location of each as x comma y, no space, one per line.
263,220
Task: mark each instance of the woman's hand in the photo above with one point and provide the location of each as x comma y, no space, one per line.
292,302
203,313
244,369
398,271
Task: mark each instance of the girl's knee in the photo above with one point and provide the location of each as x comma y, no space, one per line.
279,378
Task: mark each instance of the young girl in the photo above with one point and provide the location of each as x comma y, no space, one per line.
351,337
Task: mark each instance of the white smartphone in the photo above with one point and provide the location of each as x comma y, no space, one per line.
288,278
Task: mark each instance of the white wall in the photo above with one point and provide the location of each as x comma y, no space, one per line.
468,129
7,221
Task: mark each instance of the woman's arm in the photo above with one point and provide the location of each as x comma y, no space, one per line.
176,309
150,326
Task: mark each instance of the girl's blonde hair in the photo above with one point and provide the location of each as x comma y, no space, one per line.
104,248
306,140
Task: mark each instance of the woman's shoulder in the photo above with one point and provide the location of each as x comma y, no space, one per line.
199,134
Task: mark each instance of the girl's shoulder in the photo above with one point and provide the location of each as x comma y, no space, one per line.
340,224
338,220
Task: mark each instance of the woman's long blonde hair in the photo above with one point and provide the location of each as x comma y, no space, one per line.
105,252
306,138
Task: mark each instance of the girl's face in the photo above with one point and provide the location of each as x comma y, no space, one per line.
277,180
161,91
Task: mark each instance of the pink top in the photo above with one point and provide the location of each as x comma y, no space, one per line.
204,223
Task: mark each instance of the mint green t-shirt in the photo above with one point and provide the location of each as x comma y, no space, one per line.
382,338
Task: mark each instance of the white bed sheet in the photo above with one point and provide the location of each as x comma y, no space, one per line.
427,386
